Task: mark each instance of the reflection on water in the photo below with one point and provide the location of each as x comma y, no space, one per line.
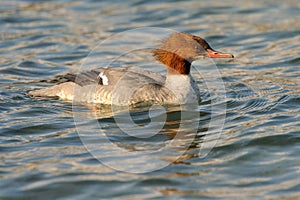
42,155
143,140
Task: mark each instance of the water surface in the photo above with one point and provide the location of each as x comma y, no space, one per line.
257,154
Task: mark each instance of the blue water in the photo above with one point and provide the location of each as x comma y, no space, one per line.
43,154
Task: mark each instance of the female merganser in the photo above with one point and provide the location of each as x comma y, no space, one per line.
132,86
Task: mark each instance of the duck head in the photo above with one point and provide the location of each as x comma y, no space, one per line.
180,49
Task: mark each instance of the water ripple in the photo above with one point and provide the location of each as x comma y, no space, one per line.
42,156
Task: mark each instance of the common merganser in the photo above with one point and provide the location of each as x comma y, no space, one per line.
114,85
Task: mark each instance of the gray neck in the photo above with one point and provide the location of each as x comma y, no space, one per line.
183,87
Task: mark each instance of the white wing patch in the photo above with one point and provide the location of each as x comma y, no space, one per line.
104,78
